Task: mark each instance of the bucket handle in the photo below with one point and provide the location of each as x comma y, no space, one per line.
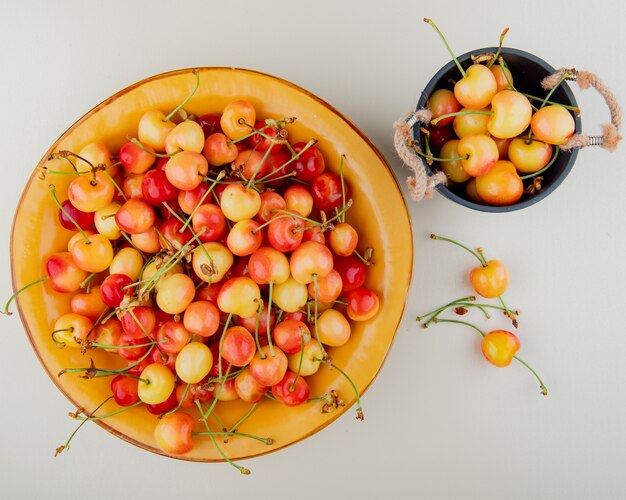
422,185
611,131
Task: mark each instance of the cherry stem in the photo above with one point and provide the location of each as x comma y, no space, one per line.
317,333
112,181
221,175
66,446
480,258
497,54
221,383
12,297
256,331
565,74
542,386
173,212
107,415
456,61
430,157
138,143
193,91
442,308
269,176
293,384
366,260
210,433
180,403
267,441
258,168
219,360
550,163
243,419
343,190
292,216
133,346
566,106
544,389
267,326
435,121
359,410
52,189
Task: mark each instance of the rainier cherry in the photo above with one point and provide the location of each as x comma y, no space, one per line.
173,433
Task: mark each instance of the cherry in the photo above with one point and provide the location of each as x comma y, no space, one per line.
328,288
114,288
284,233
438,136
352,272
363,304
511,114
499,347
136,159
250,164
327,191
553,124
209,222
450,162
132,186
172,337
135,216
65,276
194,362
343,239
238,346
175,293
128,347
247,387
186,170
310,163
291,390
491,279
240,296
71,329
186,136
245,237
128,261
268,265
155,188
481,151
173,433
310,260
212,261
89,193
210,123
255,324
470,123
124,390
443,102
88,304
333,327
70,216
190,201
138,322
291,295
529,156
298,199
153,130
202,317
266,368
165,407
270,201
501,185
280,165
237,118
239,203
218,150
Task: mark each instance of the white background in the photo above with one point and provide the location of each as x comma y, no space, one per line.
440,421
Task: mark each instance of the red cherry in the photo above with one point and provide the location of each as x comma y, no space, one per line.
83,219
124,390
113,289
156,188
290,393
209,219
309,164
277,164
170,229
210,123
262,144
168,405
326,191
134,353
352,272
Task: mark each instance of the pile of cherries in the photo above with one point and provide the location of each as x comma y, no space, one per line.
214,258
487,136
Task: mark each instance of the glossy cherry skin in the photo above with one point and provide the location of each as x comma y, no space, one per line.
260,143
500,186
65,276
289,335
482,153
363,304
268,265
477,88
503,76
326,191
270,370
134,159
202,317
124,390
89,194
284,233
529,156
210,123
250,323
237,118
452,168
278,164
135,216
499,347
218,150
553,124
140,323
113,289
443,102
352,272
248,389
83,219
270,201
309,164
310,259
511,114
88,304
188,201
290,393
172,336
156,189
238,346
209,220
328,288
166,406
134,353
490,281
438,136
173,433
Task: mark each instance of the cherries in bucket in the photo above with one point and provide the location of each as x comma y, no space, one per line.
497,129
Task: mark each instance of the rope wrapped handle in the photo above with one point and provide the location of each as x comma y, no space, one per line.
422,185
611,131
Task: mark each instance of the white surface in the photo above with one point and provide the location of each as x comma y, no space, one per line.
440,421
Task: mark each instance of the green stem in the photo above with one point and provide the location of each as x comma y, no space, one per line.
441,238
137,143
544,389
243,419
295,379
456,61
12,297
52,189
460,323
359,410
256,331
219,353
535,174
435,121
107,415
204,197
66,446
343,189
241,469
553,89
177,108
267,441
267,326
444,307
112,181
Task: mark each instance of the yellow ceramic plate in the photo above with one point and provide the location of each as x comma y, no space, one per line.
379,213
